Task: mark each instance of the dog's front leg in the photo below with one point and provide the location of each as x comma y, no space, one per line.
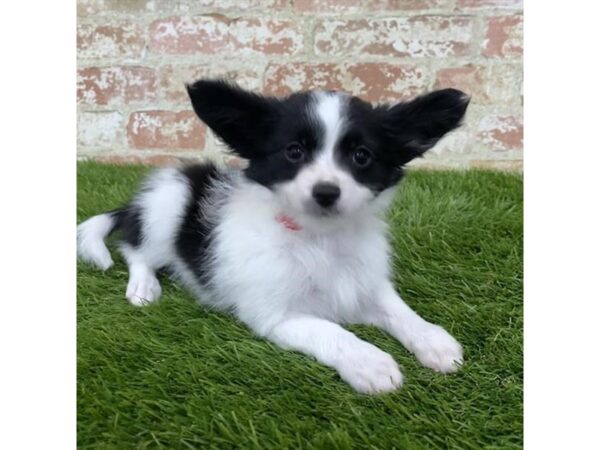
362,365
433,346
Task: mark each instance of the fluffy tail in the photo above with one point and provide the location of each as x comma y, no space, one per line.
90,239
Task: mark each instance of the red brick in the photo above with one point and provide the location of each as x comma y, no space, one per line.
173,78
504,37
165,130
215,33
501,132
416,36
493,85
271,37
115,85
283,79
354,6
375,82
469,78
186,35
492,4
381,82
104,41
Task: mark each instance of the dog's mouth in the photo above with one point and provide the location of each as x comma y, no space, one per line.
319,211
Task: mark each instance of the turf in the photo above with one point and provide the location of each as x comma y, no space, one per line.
174,375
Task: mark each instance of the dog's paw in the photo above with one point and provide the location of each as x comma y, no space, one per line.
370,370
435,348
143,289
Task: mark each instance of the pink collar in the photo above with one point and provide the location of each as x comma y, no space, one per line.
288,222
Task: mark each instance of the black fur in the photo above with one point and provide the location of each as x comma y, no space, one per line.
365,128
398,134
240,118
416,126
260,128
293,123
128,223
193,239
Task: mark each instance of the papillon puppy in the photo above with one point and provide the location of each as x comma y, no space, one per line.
294,245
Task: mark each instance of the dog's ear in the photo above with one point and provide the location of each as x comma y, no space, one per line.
238,117
416,126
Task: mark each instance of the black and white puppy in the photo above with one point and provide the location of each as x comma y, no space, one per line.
295,244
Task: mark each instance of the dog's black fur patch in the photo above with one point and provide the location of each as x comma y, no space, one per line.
128,223
259,128
193,239
397,134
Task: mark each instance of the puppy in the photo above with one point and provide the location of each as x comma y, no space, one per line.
295,244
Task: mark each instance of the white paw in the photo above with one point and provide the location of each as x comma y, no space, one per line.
103,260
94,253
143,289
435,348
370,370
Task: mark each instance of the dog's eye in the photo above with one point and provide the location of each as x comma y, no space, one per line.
362,157
294,152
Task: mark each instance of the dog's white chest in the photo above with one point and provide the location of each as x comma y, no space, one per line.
336,274
331,275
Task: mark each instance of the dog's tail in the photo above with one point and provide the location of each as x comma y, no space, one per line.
90,239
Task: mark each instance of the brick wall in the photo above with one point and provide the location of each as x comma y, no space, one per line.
135,55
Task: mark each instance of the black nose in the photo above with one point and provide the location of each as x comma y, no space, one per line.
325,194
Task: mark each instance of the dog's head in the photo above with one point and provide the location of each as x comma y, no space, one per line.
325,154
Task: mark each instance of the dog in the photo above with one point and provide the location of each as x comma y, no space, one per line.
294,245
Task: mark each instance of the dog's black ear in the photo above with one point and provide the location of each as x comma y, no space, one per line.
416,126
238,117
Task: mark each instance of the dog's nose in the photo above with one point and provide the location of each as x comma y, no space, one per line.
326,194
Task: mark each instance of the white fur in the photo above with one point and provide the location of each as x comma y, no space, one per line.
329,109
90,241
295,287
362,365
162,201
433,346
143,287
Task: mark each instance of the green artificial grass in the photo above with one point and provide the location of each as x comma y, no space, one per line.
175,375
